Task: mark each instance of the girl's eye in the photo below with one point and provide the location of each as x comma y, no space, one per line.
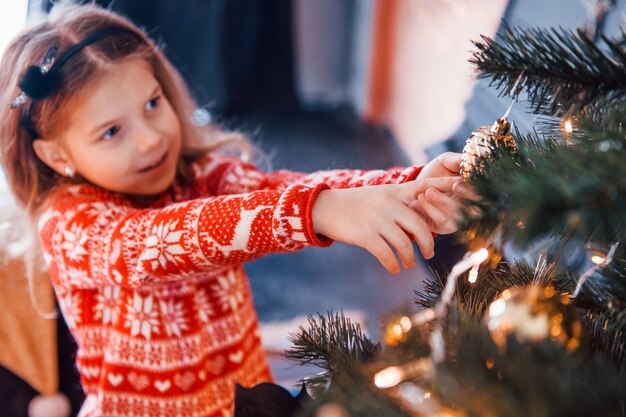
153,103
110,132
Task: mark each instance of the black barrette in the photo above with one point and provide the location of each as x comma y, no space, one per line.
38,82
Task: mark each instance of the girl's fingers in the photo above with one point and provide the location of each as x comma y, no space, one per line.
400,241
441,221
416,206
434,213
443,184
414,224
450,206
381,251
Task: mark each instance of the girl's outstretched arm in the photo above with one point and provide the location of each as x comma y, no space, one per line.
378,219
441,209
92,238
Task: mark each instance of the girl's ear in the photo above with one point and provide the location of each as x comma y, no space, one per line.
51,154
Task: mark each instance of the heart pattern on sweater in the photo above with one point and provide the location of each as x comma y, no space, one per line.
139,381
236,357
90,371
115,379
184,380
215,365
162,385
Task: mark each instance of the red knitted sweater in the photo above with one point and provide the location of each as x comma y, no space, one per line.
156,296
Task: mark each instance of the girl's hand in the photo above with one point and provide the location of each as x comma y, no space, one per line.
441,209
448,164
378,219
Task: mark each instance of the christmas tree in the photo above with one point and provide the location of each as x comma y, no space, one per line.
532,321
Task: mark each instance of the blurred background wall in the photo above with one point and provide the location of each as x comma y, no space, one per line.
401,63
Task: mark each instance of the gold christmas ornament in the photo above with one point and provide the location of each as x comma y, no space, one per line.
533,314
481,144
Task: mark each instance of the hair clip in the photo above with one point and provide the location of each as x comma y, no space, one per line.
20,99
38,82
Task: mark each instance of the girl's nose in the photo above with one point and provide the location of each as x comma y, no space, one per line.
147,138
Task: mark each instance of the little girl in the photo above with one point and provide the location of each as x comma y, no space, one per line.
144,225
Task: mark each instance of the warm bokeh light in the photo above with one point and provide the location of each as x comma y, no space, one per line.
598,260
389,377
480,256
568,127
473,274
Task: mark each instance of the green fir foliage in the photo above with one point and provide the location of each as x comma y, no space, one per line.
551,189
331,342
559,69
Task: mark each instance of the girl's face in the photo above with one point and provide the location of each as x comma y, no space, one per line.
125,137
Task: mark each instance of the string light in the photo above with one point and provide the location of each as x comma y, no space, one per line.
423,317
389,377
420,402
567,129
473,274
567,126
599,260
394,375
470,260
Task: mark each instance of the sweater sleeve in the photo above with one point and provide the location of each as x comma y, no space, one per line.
92,238
225,175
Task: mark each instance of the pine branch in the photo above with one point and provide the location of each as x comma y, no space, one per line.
475,298
559,69
550,189
331,342
606,339
481,378
599,121
602,303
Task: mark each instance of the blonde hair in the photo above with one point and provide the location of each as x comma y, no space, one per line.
32,181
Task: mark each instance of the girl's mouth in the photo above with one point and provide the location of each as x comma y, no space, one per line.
157,164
